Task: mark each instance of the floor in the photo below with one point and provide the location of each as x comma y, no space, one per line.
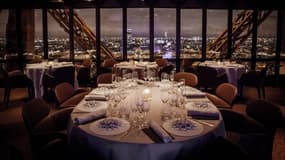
12,129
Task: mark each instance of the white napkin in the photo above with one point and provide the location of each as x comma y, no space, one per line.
82,119
107,85
193,93
202,110
97,91
166,138
94,97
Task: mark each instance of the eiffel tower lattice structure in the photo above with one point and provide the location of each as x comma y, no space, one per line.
83,35
242,27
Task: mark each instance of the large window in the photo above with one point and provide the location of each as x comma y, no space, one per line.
138,32
39,46
191,33
266,37
165,33
3,23
111,30
242,45
58,40
216,25
85,47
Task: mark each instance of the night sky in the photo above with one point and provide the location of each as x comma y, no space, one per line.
165,20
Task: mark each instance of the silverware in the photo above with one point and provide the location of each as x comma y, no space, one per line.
205,123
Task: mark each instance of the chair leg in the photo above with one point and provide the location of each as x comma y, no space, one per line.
263,92
240,90
7,97
259,92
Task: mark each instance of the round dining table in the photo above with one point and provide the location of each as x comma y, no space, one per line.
233,70
142,68
36,71
135,143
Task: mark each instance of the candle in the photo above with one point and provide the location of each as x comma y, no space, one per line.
146,94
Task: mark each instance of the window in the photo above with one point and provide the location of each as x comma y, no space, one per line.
191,33
165,33
111,30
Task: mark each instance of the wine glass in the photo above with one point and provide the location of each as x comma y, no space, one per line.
164,96
164,77
171,76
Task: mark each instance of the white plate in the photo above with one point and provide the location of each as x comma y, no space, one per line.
110,126
91,106
195,129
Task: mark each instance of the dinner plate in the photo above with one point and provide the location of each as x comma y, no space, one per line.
183,127
110,126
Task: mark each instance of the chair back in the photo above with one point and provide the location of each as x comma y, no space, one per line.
33,112
63,91
240,123
190,78
265,112
161,62
87,62
167,69
227,92
83,76
207,76
220,103
109,63
65,74
104,78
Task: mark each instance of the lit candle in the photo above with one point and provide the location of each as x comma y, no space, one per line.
146,94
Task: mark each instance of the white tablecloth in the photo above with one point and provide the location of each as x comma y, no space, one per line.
136,144
36,72
233,70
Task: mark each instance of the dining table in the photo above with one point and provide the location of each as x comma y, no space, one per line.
232,69
36,71
142,68
168,130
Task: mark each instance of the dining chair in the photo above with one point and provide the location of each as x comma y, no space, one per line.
15,79
209,78
248,133
109,63
161,62
64,74
190,78
105,78
223,149
228,92
166,69
267,113
67,96
47,131
57,76
217,101
254,79
83,77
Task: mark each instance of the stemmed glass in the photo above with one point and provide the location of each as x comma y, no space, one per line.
171,76
166,111
139,101
164,96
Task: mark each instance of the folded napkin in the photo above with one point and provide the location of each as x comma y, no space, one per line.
107,85
163,135
82,119
97,91
94,97
139,81
202,111
193,93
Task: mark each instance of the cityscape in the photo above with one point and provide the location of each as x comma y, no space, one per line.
163,47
